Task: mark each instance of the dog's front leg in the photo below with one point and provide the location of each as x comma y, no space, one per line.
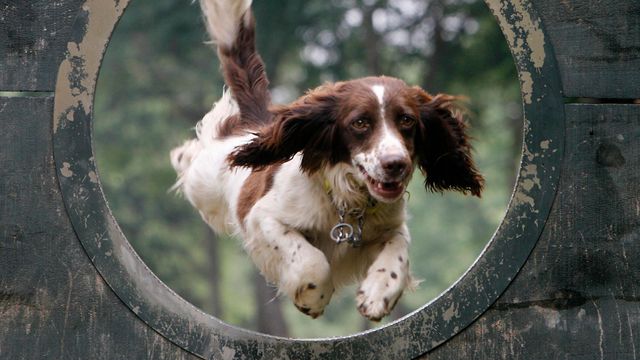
386,278
287,259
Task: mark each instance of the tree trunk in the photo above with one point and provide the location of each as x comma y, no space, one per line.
269,317
212,244
431,77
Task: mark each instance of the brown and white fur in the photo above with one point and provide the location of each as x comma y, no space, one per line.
276,176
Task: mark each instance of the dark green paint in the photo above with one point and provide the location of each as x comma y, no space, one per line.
71,286
597,44
53,303
578,296
33,38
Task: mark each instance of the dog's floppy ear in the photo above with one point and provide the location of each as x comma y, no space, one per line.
442,146
307,125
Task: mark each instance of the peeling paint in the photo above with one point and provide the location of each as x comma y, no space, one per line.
534,35
93,177
78,71
527,184
530,172
520,197
66,170
525,37
528,177
228,353
526,84
450,313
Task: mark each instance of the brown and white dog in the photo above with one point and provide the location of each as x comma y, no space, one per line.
295,181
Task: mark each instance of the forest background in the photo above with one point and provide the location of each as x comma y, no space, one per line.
159,78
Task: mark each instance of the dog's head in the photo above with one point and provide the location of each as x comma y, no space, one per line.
378,125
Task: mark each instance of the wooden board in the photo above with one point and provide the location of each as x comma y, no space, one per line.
597,45
578,296
53,303
33,37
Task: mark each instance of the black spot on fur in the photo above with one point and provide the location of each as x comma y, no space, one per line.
304,310
394,275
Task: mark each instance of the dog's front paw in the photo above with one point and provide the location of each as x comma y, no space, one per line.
312,289
311,298
379,292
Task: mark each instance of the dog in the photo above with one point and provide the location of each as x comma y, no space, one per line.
316,188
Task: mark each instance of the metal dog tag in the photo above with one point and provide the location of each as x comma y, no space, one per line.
342,232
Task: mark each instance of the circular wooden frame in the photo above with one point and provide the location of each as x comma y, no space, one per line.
207,337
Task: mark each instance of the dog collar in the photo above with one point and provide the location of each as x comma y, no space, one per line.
372,206
343,231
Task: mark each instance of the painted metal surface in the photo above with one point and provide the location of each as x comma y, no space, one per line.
203,335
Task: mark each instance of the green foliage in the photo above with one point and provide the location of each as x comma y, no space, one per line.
159,78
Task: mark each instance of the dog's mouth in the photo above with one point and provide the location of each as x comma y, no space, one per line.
383,190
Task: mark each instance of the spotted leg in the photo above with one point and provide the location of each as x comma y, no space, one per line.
287,259
386,278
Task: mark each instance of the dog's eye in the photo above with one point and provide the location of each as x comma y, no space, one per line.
360,124
406,121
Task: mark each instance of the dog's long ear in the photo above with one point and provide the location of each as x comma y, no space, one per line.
307,125
442,146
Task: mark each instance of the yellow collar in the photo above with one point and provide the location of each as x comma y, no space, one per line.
373,205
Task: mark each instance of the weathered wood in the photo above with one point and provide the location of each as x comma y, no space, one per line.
591,245
597,45
205,336
578,296
33,37
53,303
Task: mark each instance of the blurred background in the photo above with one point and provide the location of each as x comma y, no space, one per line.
158,79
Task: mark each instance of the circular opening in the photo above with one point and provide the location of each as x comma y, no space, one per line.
158,79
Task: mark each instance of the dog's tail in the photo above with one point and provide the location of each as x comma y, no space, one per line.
231,26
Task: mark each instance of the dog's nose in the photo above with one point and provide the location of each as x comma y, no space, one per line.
394,165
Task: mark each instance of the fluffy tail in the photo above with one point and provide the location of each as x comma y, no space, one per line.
232,27
207,130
